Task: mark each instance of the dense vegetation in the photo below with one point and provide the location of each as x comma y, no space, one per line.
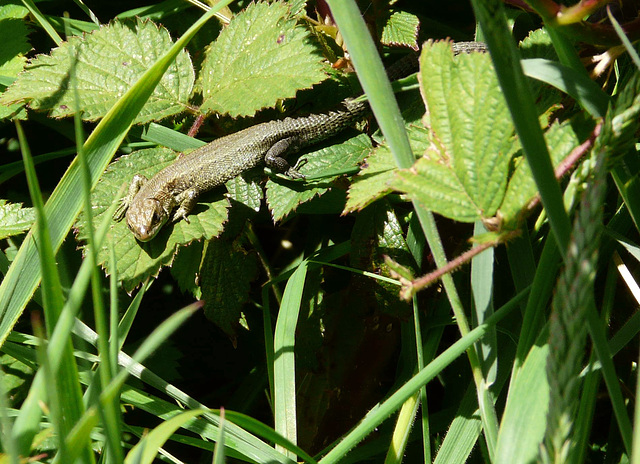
451,281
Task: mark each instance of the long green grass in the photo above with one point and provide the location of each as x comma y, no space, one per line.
521,356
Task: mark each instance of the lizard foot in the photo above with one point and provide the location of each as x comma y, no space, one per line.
293,172
120,211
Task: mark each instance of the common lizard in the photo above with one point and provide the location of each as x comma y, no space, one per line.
173,192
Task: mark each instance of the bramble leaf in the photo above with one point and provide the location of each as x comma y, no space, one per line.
13,10
107,63
185,268
224,297
401,28
135,260
261,57
378,236
561,139
246,190
15,45
463,173
14,219
373,181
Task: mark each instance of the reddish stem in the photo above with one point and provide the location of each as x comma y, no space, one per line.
195,127
426,280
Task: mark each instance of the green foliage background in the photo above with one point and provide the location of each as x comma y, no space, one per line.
311,323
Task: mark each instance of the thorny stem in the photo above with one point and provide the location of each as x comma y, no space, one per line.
195,127
410,288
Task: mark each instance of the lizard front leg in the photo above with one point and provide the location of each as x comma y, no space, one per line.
136,183
186,201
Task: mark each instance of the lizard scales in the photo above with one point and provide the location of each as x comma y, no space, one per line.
227,157
172,193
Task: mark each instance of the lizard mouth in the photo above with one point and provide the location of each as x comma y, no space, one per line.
144,234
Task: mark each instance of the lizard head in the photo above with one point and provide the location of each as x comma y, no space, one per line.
146,218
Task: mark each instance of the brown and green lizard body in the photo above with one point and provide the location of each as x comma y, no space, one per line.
173,192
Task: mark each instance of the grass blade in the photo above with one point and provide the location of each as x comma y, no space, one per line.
524,419
284,370
65,384
576,84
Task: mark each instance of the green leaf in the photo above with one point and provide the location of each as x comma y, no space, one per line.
537,44
492,18
15,379
136,261
377,234
261,57
524,419
12,10
401,28
108,62
246,189
373,181
373,77
15,111
226,274
14,219
15,45
463,173
561,140
186,268
284,196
